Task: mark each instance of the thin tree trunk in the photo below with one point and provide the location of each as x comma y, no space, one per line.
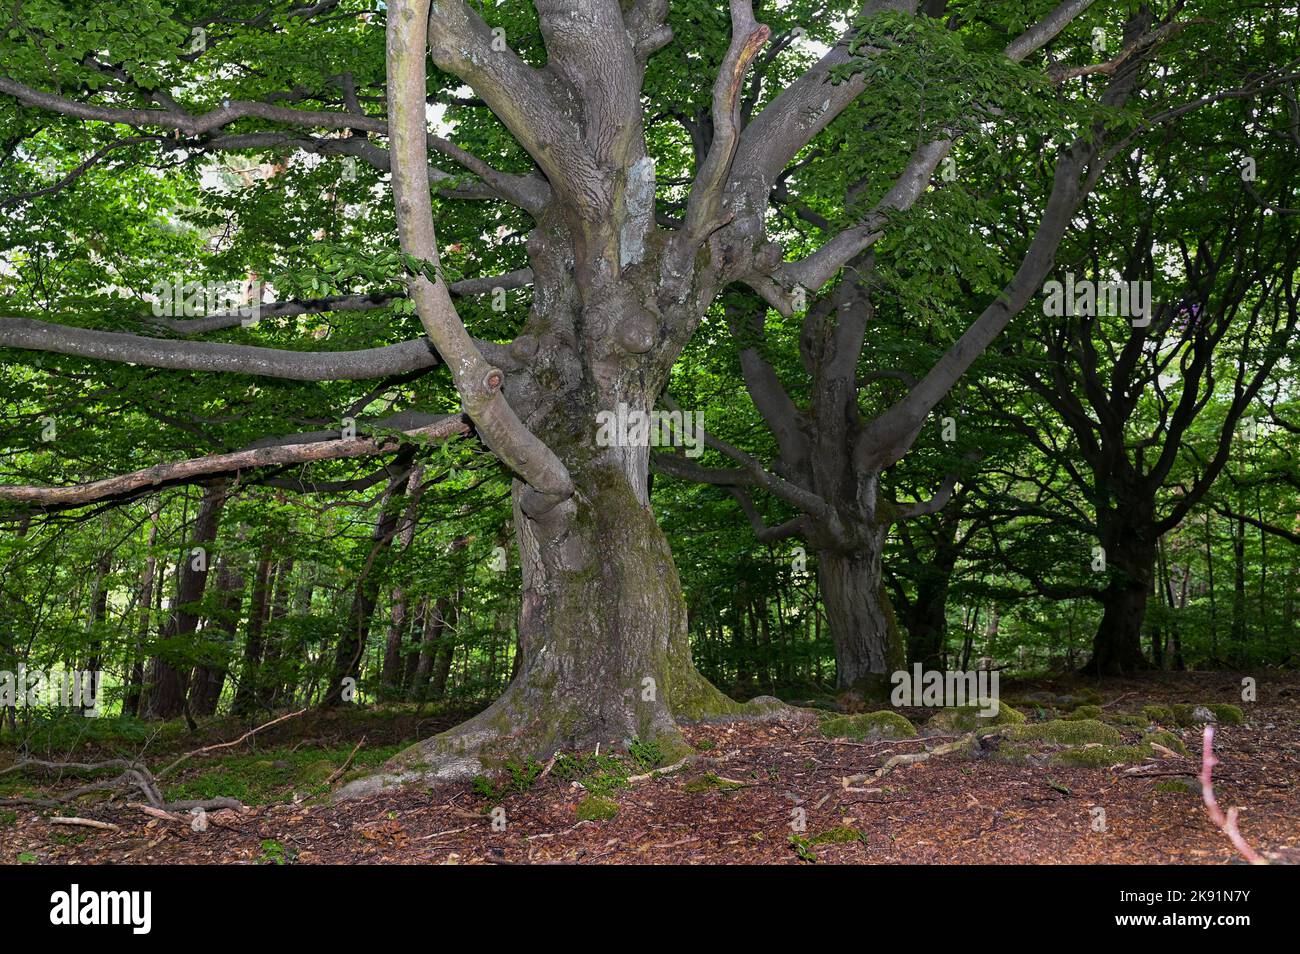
218,636
352,644
246,695
170,670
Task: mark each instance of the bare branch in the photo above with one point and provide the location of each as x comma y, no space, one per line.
218,464
703,206
33,335
478,384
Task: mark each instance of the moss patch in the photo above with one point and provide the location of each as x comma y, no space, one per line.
1066,732
1167,739
1179,786
1132,721
1158,714
597,808
1085,712
708,782
869,726
1228,715
1193,715
970,717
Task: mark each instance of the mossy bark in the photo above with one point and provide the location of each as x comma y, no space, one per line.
603,636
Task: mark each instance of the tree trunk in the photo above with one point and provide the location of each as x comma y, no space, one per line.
868,646
391,674
1117,645
270,676
218,637
135,681
603,626
98,616
352,644
246,694
446,613
926,621
170,677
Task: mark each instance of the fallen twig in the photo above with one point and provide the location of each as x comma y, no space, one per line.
225,745
344,767
1225,823
85,823
659,771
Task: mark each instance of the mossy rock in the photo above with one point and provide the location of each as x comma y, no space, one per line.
1085,712
1167,739
1016,753
970,717
1066,732
1189,716
1228,715
597,808
1102,756
869,727
1158,714
1132,721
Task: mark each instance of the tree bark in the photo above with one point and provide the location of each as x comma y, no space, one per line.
1117,645
271,678
868,645
603,626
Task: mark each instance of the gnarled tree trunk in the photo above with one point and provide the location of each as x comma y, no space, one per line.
868,645
1117,645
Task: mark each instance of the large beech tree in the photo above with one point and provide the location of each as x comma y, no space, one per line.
624,261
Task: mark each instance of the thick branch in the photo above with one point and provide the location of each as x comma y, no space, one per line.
188,470
478,384
32,335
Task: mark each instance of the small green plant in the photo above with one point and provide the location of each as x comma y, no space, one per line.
599,774
8,818
27,858
803,848
524,774
645,754
273,853
485,788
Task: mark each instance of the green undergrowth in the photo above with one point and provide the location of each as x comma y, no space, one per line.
840,835
275,775
599,774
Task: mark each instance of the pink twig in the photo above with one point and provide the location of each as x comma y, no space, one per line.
1225,823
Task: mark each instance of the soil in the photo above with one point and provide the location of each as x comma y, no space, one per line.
737,801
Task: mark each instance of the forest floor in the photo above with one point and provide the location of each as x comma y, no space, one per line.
741,800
